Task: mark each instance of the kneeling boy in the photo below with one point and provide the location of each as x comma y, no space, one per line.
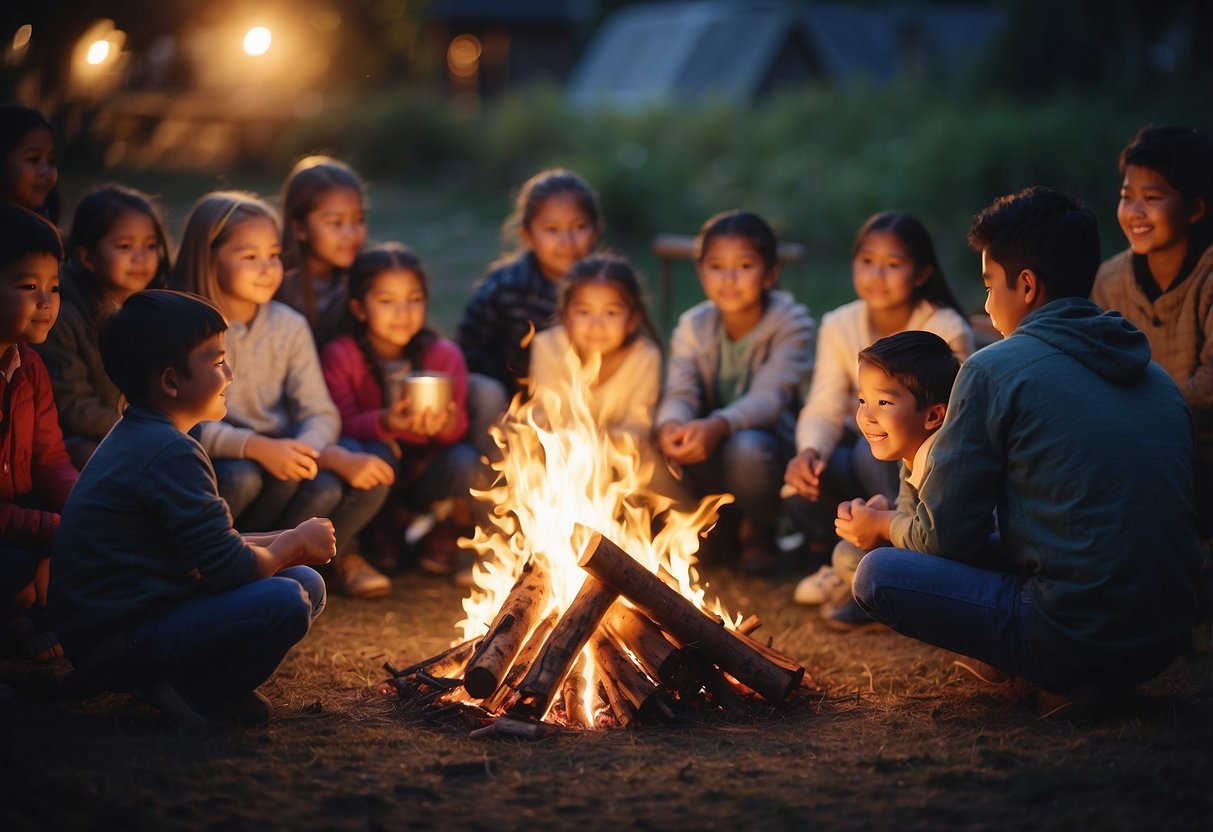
153,591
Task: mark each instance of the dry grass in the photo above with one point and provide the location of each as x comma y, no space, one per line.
903,740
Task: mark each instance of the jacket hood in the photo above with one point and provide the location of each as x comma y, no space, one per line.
1104,342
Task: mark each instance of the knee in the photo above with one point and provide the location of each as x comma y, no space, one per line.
323,493
748,448
288,606
487,398
314,590
239,480
869,574
846,559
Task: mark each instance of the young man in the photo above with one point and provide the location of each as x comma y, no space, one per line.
1084,447
36,474
153,590
904,383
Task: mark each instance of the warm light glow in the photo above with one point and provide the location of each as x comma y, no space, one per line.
463,55
22,37
98,51
257,41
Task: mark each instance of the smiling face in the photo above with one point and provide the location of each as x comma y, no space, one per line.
1153,215
889,418
393,309
30,170
598,320
248,267
125,259
735,278
560,234
333,232
29,299
884,273
202,395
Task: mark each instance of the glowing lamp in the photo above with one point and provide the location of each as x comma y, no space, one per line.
257,41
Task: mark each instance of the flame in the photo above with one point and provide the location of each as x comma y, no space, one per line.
562,475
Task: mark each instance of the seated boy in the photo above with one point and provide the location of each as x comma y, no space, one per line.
36,474
153,590
1163,282
1085,448
904,383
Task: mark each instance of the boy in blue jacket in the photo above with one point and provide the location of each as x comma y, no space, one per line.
1085,449
153,591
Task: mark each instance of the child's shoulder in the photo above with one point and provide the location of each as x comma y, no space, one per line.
518,270
847,314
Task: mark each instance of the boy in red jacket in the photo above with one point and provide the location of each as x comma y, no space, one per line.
35,471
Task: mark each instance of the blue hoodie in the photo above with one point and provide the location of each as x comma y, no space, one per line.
1084,446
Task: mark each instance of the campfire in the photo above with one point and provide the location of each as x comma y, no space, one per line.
581,614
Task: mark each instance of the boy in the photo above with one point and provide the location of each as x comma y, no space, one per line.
1085,447
1163,282
904,383
36,474
154,591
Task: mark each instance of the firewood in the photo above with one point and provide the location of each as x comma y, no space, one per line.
573,695
682,619
526,656
447,661
640,691
632,629
572,631
618,703
749,625
526,601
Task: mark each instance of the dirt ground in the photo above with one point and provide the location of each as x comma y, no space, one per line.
904,740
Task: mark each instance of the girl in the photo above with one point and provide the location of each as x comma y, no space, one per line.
557,220
901,286
387,339
117,247
30,177
276,455
324,228
734,374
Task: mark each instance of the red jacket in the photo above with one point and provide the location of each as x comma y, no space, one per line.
34,466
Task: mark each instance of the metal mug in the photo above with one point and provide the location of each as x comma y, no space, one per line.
428,389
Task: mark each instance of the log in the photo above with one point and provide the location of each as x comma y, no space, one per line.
572,631
682,619
573,695
526,601
526,657
750,624
617,701
445,662
632,629
640,691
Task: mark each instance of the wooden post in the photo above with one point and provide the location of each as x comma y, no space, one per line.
571,633
678,616
522,607
526,657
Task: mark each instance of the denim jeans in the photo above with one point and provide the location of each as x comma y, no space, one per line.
987,615
17,568
852,472
226,643
487,402
749,465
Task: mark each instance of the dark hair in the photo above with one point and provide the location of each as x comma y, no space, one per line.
22,232
95,217
744,224
1184,157
17,122
922,362
609,270
369,264
912,234
154,330
539,189
1045,230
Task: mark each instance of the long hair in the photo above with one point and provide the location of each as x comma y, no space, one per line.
912,234
17,122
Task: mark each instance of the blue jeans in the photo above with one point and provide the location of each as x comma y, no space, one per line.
986,615
852,472
487,402
228,643
749,465
17,568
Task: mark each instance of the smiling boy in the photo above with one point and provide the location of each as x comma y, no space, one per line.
904,383
154,592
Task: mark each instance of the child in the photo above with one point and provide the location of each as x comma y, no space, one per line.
154,591
30,177
388,338
604,326
558,220
1163,283
276,454
323,229
1084,446
904,384
901,286
117,247
35,472
736,363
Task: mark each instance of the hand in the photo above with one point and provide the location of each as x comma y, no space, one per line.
318,541
284,459
804,474
693,442
399,419
362,471
880,502
863,526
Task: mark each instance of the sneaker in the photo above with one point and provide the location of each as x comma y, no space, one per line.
353,577
821,587
849,617
440,549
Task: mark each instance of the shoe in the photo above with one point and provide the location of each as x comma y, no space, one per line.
240,709
759,552
821,587
849,617
355,578
440,549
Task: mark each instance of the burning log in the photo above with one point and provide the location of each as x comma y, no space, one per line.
678,616
515,618
640,691
617,702
526,657
568,638
573,695
660,659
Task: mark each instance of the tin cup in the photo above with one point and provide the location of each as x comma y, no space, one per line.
428,389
